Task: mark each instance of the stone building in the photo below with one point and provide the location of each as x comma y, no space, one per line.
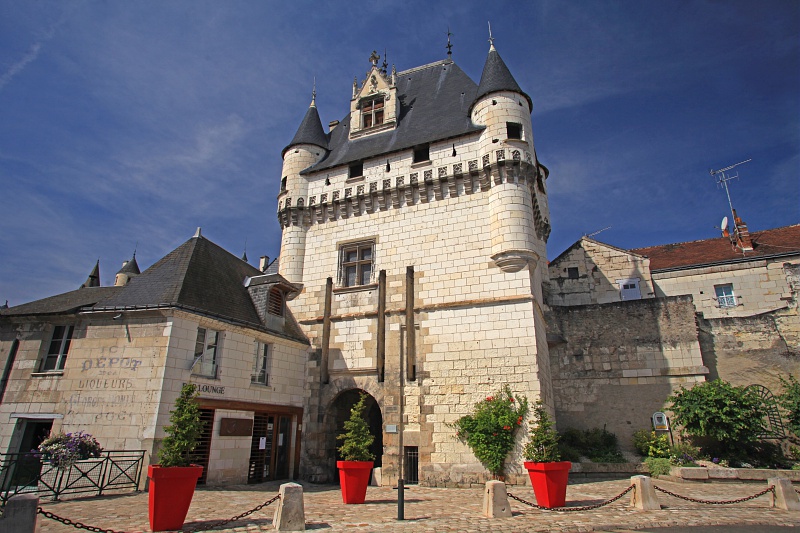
110,361
416,227
628,326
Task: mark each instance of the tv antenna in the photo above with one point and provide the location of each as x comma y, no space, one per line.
596,232
723,176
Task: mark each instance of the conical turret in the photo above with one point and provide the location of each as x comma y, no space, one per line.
94,277
129,270
310,130
496,77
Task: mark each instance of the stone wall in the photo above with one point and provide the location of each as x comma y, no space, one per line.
615,364
599,267
752,350
759,286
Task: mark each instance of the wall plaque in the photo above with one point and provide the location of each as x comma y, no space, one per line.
235,427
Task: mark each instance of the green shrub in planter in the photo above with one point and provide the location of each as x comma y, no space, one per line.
356,438
183,433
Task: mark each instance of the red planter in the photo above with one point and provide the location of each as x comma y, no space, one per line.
171,491
354,478
549,481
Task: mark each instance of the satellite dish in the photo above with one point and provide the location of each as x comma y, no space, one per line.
724,225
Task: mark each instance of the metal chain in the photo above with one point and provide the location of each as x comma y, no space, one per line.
572,509
771,489
235,518
79,525
76,525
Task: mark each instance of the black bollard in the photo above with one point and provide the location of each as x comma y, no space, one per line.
401,503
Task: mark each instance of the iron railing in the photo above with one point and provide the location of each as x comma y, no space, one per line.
113,470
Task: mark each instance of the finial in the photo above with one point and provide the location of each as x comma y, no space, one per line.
394,75
197,233
491,39
244,255
135,247
374,58
314,93
449,44
355,86
385,64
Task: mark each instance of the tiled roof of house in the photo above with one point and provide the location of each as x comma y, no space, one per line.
434,104
771,242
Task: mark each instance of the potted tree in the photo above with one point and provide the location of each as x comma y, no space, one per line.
173,480
356,464
548,473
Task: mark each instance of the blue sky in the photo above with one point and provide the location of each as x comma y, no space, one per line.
128,124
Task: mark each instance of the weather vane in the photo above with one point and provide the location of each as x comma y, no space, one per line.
449,44
491,39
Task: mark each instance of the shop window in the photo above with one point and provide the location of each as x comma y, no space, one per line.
262,364
513,130
58,350
206,353
725,296
356,263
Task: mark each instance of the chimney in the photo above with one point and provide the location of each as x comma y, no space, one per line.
742,234
263,263
332,124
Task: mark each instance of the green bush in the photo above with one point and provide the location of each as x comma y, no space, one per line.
729,416
542,447
183,433
597,444
491,429
790,400
658,466
651,444
356,438
684,454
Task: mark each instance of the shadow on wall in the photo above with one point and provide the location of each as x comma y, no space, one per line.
613,363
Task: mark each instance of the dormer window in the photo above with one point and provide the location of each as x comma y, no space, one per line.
372,112
275,302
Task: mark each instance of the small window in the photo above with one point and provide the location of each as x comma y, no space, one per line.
513,130
356,264
572,272
59,348
275,302
725,296
283,183
205,353
629,289
372,112
261,368
422,153
356,170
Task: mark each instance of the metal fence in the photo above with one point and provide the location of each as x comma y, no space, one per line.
26,473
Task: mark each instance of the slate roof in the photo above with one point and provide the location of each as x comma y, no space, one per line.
768,243
310,131
434,104
130,267
496,77
198,276
94,277
66,303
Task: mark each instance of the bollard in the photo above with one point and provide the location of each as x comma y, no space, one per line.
401,499
784,496
19,515
290,514
495,500
644,495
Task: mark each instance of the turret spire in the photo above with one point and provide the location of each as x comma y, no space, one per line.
94,277
449,44
491,39
496,77
314,93
310,130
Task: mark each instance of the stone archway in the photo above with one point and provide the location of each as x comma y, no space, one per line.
340,411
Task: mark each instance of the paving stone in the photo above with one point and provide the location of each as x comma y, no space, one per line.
436,510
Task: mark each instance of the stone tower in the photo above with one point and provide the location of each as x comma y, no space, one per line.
417,229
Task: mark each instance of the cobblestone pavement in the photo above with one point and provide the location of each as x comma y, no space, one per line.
436,510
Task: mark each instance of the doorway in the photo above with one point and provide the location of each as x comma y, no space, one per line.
341,408
269,448
28,466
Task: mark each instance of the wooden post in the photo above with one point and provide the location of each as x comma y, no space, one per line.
326,333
